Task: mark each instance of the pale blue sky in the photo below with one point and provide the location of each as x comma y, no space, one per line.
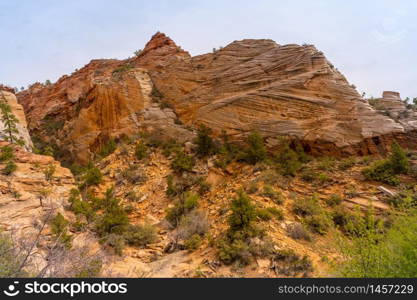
373,42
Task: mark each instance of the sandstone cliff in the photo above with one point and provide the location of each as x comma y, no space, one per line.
26,194
248,85
105,99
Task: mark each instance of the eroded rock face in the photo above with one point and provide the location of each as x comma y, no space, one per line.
278,90
248,85
26,195
8,97
105,99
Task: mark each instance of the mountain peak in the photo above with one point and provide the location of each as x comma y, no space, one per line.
159,40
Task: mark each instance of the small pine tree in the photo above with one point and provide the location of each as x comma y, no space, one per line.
399,160
255,151
205,144
59,227
243,213
9,120
114,219
182,162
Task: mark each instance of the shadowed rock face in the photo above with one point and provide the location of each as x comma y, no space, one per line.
248,85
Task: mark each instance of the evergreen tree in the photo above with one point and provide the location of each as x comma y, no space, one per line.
9,120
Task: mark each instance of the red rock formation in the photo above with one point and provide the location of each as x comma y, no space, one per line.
248,85
6,88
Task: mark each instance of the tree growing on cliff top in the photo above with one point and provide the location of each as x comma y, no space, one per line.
9,120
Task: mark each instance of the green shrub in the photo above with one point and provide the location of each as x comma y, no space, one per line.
171,147
49,172
381,171
141,151
334,200
243,213
10,258
322,178
267,214
404,199
341,216
114,218
6,153
326,163
226,153
133,196
306,206
59,226
205,144
141,235
203,187
9,168
117,242
387,169
238,243
122,68
182,162
91,270
272,194
171,187
78,206
319,222
92,176
377,254
399,160
236,250
308,174
277,213
347,163
186,202
264,214
243,250
297,231
287,159
194,222
255,150
288,263
108,148
193,242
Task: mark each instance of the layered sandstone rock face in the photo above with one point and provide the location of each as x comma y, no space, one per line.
248,85
394,107
27,195
8,97
278,90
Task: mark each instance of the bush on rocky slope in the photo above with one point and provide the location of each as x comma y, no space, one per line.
386,170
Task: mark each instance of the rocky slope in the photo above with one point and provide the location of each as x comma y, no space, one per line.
26,194
394,107
148,183
248,85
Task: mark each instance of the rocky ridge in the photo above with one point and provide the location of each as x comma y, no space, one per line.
278,90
